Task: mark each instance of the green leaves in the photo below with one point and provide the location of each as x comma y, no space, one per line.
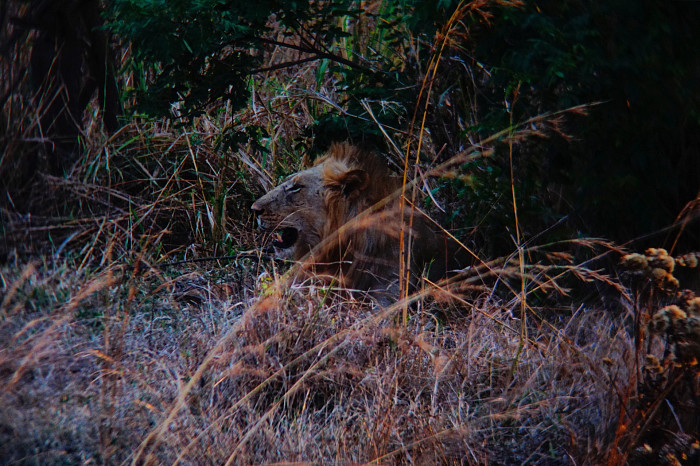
190,52
187,55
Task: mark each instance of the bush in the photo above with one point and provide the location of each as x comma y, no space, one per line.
634,162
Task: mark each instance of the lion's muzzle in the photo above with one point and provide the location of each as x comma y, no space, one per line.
284,238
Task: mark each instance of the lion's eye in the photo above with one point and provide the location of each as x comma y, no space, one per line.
294,188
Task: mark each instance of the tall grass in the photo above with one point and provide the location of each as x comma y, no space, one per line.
141,322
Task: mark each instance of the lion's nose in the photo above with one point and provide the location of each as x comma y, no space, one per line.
257,207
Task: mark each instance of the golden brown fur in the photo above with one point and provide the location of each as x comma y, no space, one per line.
323,212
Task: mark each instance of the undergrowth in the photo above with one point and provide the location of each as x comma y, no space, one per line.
141,320
167,366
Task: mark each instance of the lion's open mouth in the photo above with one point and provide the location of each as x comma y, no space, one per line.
285,238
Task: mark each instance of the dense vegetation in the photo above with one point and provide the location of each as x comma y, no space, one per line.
635,61
140,321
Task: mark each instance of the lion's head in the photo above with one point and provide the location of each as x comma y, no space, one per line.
293,211
311,204
315,212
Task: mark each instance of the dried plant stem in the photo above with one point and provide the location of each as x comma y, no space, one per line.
428,81
518,241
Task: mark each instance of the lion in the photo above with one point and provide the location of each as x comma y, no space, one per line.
343,216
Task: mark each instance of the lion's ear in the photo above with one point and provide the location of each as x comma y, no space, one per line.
353,181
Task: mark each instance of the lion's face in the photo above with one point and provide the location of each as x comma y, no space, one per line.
295,213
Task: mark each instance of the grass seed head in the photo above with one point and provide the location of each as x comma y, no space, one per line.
634,261
658,274
659,258
652,364
667,318
689,260
694,307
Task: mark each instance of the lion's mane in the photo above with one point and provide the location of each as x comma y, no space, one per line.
367,247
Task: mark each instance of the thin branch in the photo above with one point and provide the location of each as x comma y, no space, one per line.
286,64
320,54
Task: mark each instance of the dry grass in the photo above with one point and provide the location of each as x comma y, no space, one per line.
117,346
240,365
126,369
